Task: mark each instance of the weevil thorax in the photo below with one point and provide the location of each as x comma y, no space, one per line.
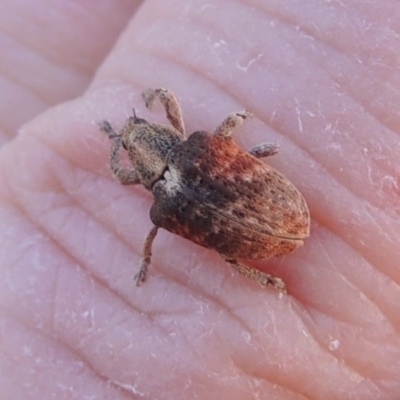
148,146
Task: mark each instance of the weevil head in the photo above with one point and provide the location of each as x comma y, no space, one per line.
148,146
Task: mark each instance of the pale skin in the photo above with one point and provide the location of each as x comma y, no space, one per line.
321,79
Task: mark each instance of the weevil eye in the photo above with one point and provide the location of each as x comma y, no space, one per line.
140,121
124,145
137,120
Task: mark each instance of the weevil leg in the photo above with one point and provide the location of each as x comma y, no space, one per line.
170,104
264,150
126,176
260,277
231,122
140,277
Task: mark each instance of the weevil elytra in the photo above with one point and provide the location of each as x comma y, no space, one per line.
209,190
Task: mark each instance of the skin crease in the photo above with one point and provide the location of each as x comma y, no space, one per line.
322,81
35,73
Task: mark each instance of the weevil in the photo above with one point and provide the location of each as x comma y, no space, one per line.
209,190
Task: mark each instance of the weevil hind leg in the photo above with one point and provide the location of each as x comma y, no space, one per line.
264,150
140,277
125,176
170,104
262,278
231,122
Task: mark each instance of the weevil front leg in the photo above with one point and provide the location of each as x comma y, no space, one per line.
264,150
140,277
125,176
170,104
231,122
262,278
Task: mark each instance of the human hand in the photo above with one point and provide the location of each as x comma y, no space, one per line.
321,81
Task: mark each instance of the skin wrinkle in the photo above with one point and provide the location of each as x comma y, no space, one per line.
36,53
287,388
34,47
349,57
56,290
189,341
221,306
368,214
352,366
59,342
253,376
317,341
282,381
33,88
347,280
371,297
54,336
267,376
285,21
106,224
351,95
25,86
74,261
290,20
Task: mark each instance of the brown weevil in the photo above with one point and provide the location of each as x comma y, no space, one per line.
209,190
